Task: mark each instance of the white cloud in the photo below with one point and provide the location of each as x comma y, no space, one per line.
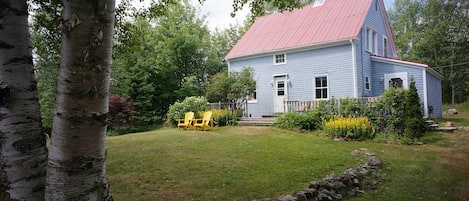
218,13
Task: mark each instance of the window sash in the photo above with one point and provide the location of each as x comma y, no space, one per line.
321,87
280,59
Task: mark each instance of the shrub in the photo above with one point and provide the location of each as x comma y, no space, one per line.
298,121
414,123
120,113
390,111
349,127
225,117
353,107
190,104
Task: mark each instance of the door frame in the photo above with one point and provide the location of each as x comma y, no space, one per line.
278,100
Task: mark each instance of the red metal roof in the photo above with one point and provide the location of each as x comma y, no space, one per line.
333,21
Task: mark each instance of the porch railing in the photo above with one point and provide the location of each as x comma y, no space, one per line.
305,105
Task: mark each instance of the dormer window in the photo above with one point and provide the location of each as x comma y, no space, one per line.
280,59
371,40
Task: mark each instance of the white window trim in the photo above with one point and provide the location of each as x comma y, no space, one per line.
371,40
314,86
385,46
284,59
368,38
403,75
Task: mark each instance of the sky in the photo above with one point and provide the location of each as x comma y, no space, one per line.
217,12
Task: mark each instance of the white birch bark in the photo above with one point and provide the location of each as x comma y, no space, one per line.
76,166
23,149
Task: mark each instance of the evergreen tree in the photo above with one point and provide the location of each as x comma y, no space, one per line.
414,123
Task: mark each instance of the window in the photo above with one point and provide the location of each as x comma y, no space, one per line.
320,86
371,40
280,59
385,47
367,83
396,83
374,44
281,88
396,80
253,96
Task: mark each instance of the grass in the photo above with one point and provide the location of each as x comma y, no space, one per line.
245,163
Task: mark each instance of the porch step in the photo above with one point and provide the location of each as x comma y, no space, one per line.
265,121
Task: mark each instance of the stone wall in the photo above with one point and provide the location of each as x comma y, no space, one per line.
337,187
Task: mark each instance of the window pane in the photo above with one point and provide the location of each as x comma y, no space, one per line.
396,82
280,58
281,84
318,82
280,92
318,94
324,81
324,93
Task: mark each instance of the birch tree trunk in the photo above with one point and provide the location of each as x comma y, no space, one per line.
76,167
23,148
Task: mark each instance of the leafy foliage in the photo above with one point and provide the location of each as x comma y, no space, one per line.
45,38
159,63
120,113
435,32
190,104
299,121
233,87
390,111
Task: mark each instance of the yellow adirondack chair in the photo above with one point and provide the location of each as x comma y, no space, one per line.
206,123
187,122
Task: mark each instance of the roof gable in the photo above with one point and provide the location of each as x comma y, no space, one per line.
335,20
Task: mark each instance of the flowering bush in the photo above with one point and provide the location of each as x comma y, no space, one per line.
349,127
225,117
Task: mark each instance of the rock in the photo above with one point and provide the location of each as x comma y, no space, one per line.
286,198
301,196
356,152
339,197
339,186
452,111
336,187
356,182
449,124
313,184
324,195
375,161
311,191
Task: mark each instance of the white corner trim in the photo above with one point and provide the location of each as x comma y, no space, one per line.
425,96
354,69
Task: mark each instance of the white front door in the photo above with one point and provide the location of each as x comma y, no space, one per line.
280,93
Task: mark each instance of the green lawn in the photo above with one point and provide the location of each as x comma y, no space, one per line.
245,163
